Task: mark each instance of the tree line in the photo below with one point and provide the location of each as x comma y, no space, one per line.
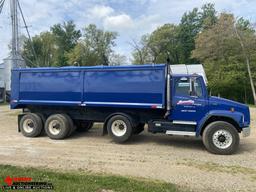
226,46
65,45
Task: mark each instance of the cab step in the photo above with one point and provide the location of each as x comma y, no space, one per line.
182,133
187,128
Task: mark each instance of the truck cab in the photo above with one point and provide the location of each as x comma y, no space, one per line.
194,113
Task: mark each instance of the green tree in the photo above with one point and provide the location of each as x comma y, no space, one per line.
141,54
175,42
95,48
66,38
163,43
219,48
43,53
189,28
191,24
158,46
207,16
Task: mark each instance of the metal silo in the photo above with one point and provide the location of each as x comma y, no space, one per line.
10,63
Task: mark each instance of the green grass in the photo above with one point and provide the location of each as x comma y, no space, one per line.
250,105
214,167
79,181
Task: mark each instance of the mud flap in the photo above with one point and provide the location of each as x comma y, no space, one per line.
19,118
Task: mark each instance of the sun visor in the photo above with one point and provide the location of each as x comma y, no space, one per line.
189,70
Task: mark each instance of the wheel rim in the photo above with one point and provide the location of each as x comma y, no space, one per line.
28,125
119,128
222,139
54,127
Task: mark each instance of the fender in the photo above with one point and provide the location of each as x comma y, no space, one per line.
236,116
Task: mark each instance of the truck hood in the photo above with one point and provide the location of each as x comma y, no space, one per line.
217,103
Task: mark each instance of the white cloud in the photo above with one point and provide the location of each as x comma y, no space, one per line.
100,11
118,22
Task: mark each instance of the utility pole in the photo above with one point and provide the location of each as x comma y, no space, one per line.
15,59
15,32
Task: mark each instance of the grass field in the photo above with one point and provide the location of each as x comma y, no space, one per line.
78,181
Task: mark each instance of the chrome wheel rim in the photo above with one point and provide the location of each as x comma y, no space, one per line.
119,128
28,125
54,127
222,139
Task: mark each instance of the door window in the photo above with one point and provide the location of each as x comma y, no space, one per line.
188,87
198,88
182,86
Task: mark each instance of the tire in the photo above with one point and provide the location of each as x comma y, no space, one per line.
221,137
83,126
119,128
57,126
43,118
71,124
138,129
31,125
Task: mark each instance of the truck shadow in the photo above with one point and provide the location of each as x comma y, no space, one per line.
246,148
175,141
162,140
148,138
186,142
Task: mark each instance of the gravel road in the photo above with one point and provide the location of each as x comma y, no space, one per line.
179,160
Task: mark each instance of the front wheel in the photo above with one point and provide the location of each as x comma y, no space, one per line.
221,138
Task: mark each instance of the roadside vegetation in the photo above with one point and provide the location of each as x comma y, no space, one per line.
215,167
1,104
80,181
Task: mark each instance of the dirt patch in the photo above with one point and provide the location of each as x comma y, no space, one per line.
179,160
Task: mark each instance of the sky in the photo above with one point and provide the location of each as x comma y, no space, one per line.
130,18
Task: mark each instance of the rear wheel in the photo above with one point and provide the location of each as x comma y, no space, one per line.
57,126
70,122
31,125
43,118
221,138
119,128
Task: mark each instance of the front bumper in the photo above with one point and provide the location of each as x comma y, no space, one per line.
246,131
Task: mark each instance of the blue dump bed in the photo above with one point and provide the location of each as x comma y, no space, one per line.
122,86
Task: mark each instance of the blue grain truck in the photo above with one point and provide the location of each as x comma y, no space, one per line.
125,98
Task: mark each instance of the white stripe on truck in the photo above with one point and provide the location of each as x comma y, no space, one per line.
159,106
185,122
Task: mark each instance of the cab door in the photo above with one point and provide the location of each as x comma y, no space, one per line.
189,100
